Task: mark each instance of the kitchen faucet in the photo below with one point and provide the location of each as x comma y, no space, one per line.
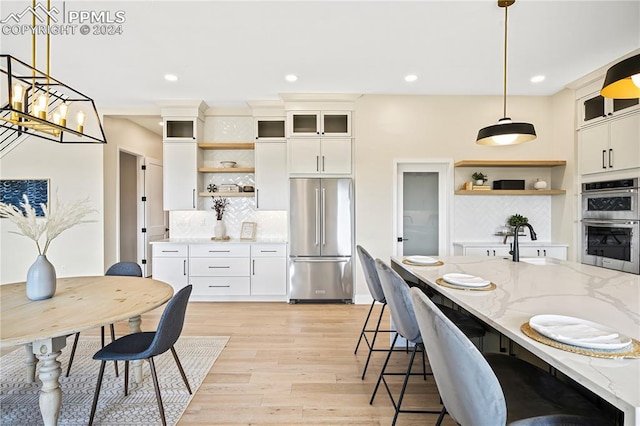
516,249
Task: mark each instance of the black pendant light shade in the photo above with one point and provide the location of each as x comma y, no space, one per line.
619,84
506,133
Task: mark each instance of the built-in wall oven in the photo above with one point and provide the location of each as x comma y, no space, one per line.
611,224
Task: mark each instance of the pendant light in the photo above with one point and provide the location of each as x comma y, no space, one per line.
506,132
623,80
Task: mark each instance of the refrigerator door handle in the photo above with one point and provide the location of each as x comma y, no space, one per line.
317,218
322,260
324,219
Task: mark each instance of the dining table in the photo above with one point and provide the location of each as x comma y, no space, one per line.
79,304
539,286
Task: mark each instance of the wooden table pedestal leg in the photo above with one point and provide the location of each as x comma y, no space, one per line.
136,366
48,351
31,361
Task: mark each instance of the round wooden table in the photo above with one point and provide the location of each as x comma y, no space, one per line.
80,303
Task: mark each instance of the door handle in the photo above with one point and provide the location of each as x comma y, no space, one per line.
193,198
257,198
323,163
400,239
317,163
253,267
604,152
184,267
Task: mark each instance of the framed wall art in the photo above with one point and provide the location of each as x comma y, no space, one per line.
248,231
36,190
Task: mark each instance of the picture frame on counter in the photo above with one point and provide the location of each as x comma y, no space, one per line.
248,231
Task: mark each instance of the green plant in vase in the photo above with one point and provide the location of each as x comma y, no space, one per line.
479,178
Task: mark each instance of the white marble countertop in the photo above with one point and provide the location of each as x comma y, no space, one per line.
523,290
210,241
499,244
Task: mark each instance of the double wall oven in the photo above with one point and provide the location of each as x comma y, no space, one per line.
611,224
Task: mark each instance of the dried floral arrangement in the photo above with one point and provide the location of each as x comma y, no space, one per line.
219,205
57,218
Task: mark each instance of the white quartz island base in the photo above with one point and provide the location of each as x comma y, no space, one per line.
559,287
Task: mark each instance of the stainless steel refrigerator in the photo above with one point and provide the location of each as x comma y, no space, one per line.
321,239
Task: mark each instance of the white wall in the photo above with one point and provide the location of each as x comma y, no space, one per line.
76,172
445,127
122,135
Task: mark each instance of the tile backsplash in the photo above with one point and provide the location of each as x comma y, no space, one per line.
271,225
477,217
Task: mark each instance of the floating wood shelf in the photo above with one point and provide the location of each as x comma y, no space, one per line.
226,194
512,192
226,145
226,169
510,163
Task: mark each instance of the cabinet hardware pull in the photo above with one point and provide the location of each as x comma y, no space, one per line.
219,286
257,198
494,252
219,251
610,157
219,267
544,252
184,267
488,253
323,163
604,152
253,267
317,163
169,251
268,251
538,252
193,198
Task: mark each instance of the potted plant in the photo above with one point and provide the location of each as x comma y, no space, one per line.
479,178
219,205
515,220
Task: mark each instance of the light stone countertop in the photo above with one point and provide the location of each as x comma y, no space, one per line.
605,296
210,241
521,243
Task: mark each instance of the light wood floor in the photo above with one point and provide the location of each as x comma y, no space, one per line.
294,364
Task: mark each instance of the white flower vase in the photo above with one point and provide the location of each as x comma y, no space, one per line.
479,182
220,231
41,279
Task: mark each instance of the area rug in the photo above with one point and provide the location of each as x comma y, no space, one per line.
19,399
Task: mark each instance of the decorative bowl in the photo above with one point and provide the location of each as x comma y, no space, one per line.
228,164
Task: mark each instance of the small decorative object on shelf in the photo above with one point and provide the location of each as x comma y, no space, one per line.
540,184
41,277
517,219
212,188
219,205
248,231
479,178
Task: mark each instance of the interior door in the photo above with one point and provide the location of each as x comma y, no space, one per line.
155,219
422,209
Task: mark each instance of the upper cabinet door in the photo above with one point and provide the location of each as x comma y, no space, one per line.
271,176
180,129
319,123
269,128
180,176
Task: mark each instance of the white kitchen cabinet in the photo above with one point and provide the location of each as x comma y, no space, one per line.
180,129
170,264
319,156
318,123
269,128
271,175
527,249
219,269
180,175
610,145
268,270
594,108
486,251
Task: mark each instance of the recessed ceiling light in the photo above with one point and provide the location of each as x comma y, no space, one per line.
171,77
537,78
291,78
410,78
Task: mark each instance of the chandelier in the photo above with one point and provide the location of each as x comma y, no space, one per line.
36,104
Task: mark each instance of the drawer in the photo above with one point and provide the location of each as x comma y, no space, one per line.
170,250
219,267
268,250
219,250
221,286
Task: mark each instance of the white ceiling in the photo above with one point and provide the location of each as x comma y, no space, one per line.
228,52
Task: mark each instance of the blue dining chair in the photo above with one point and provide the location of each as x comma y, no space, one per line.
375,288
496,388
129,269
146,345
396,292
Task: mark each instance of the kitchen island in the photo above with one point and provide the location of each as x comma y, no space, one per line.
550,286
